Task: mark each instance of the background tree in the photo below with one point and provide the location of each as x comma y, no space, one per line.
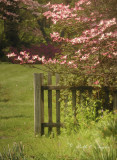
22,24
10,14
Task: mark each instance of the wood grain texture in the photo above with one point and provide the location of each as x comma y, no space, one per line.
37,103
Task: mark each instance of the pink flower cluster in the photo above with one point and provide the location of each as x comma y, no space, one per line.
59,11
89,34
48,51
26,58
56,37
62,12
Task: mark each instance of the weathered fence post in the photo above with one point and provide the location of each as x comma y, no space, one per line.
42,104
50,102
38,103
58,105
115,101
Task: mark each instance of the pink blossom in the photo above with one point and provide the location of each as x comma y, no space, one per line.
109,56
31,61
95,64
96,82
26,56
35,57
104,54
48,4
115,53
43,59
81,2
88,3
70,62
64,57
19,58
22,53
11,55
54,34
39,59
63,62
85,57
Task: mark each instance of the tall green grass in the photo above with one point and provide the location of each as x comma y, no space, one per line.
17,139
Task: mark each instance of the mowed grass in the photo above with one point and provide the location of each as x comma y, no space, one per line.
16,104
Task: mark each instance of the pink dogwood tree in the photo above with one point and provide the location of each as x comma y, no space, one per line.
87,35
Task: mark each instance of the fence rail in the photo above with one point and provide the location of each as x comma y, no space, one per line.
39,88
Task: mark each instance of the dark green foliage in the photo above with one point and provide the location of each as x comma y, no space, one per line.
21,27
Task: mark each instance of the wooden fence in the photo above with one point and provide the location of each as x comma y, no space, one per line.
39,88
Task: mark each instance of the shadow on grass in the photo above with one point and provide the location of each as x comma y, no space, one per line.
15,116
4,100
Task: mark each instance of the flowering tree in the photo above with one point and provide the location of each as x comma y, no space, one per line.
87,35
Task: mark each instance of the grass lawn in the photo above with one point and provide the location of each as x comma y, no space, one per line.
17,124
16,104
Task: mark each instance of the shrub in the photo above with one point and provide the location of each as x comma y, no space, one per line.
48,51
86,115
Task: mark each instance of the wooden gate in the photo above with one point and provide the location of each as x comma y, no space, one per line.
39,87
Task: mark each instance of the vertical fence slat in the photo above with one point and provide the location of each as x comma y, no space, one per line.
106,96
66,105
37,103
115,101
57,105
42,105
50,102
74,101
